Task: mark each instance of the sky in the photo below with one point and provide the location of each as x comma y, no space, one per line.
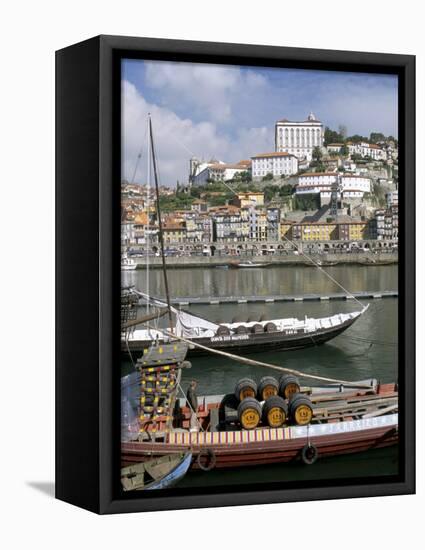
228,112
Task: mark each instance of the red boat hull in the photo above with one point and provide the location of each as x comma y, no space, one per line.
266,452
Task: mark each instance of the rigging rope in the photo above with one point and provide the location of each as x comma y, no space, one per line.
139,156
311,260
256,363
325,272
191,408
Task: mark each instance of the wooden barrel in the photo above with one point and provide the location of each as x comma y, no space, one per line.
245,388
267,387
249,413
257,328
270,327
242,329
300,409
222,331
275,411
288,385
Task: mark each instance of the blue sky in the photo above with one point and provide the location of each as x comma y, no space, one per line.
228,112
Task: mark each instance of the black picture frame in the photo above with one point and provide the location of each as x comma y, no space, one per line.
88,272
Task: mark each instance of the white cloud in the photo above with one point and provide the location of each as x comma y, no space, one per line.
176,139
229,113
212,92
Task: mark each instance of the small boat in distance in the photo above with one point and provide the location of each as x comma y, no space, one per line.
158,473
127,264
249,264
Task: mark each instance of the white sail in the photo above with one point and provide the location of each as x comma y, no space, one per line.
188,325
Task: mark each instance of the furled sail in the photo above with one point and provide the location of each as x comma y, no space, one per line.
187,324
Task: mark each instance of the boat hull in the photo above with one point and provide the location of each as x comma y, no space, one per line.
251,343
173,477
270,452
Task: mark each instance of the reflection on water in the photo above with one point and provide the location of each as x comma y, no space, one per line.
368,349
269,280
383,462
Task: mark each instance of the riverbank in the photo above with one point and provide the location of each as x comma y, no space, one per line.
364,258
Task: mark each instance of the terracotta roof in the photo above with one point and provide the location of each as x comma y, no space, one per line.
224,166
309,174
141,218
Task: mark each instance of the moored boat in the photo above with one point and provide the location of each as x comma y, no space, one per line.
158,473
127,264
249,264
281,425
240,337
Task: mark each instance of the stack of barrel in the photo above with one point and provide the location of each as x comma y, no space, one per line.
273,403
160,371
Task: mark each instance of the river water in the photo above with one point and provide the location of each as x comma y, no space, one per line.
367,350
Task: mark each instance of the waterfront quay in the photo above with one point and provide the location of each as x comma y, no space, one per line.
271,253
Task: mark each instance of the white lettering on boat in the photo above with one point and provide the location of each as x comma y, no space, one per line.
230,338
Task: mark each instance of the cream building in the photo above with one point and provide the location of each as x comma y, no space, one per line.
299,138
277,164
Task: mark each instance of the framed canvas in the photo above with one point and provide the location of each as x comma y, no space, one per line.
235,274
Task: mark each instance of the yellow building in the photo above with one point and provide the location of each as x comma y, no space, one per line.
249,199
285,230
174,233
316,231
358,231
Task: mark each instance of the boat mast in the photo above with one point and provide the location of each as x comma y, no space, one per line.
148,207
161,235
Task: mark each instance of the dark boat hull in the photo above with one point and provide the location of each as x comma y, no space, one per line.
251,343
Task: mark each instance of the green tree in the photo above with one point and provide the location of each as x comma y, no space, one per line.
317,154
330,136
356,138
344,151
268,177
310,201
285,190
270,191
376,136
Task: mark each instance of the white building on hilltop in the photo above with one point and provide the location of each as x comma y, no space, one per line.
299,138
367,150
217,171
352,186
277,164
